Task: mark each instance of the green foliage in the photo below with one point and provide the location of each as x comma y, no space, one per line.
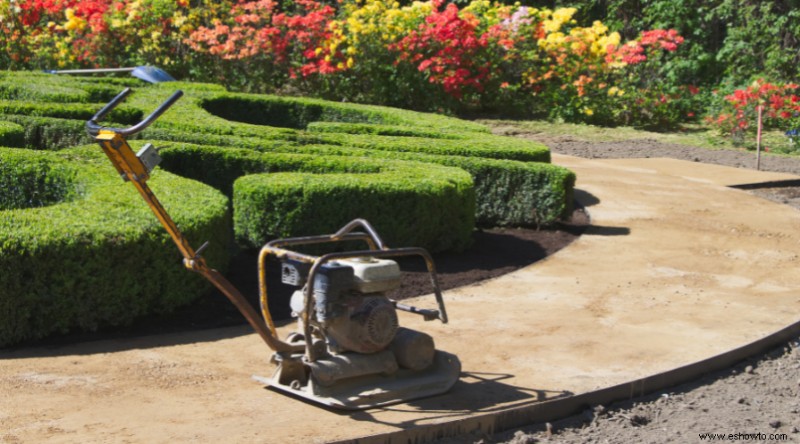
299,112
84,252
49,133
376,130
11,134
77,111
726,40
761,39
410,203
508,193
31,180
433,207
94,256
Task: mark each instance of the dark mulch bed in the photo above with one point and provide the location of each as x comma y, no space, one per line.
494,252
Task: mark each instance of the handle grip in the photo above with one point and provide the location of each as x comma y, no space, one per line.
94,128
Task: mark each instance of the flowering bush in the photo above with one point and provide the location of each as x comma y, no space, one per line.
738,114
426,55
255,42
450,49
359,44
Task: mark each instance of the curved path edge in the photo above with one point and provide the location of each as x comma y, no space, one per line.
560,408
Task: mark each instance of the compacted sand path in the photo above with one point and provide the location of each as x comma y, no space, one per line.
676,267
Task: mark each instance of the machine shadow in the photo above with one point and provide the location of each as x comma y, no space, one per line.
586,199
474,393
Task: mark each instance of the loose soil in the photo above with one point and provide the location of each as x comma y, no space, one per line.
756,401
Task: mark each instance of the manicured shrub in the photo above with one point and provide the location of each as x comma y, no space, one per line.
507,192
49,133
11,134
78,111
299,112
80,251
377,130
421,179
410,203
42,87
29,180
534,192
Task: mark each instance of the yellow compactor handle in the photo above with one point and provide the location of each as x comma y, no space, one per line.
131,168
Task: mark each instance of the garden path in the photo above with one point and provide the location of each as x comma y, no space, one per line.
676,267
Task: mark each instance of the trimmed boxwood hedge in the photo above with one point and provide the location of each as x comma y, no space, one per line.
507,192
11,134
28,180
410,203
378,130
49,133
435,212
292,166
531,192
90,254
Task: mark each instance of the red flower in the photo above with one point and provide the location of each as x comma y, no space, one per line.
448,47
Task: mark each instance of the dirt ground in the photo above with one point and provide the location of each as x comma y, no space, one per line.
756,401
761,395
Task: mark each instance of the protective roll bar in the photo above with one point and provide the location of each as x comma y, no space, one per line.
278,249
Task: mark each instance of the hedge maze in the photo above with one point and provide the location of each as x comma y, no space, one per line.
80,250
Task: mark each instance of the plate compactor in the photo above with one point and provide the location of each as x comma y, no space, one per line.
349,351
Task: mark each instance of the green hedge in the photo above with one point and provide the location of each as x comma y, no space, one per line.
32,86
91,254
406,210
29,180
299,112
11,134
49,133
378,130
86,252
77,111
507,192
410,203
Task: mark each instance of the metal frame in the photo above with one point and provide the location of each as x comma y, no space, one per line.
377,250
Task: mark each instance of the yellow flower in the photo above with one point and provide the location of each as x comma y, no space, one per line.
588,111
551,25
178,20
350,62
564,15
73,22
599,28
552,41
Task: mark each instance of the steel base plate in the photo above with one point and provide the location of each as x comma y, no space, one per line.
366,392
